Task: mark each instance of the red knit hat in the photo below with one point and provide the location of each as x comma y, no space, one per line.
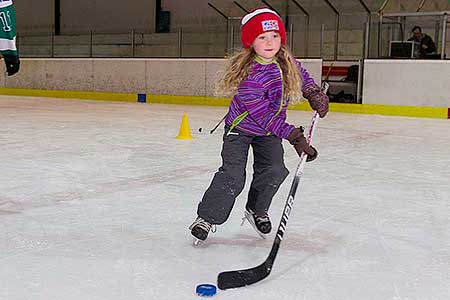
260,21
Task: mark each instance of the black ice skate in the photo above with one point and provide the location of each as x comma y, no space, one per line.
261,223
200,230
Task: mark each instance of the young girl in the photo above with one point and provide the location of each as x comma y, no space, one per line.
262,78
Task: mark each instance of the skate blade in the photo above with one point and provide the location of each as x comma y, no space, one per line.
249,218
197,242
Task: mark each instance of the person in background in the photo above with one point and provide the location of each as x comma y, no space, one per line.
262,78
424,41
8,47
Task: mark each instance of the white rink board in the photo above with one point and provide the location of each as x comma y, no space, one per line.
189,77
407,82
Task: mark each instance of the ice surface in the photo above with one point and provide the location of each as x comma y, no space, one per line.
96,199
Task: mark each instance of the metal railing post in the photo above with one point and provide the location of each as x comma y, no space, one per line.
91,42
322,36
359,83
180,42
379,35
52,46
444,35
437,29
231,50
402,28
226,37
291,37
336,37
366,45
307,38
133,42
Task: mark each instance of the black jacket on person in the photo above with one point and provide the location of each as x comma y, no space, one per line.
426,45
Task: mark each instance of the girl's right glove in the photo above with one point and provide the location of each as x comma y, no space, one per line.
298,140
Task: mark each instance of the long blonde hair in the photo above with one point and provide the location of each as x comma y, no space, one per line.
240,66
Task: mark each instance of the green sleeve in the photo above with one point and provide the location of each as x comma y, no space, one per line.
8,31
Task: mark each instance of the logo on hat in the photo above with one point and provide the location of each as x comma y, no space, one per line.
270,25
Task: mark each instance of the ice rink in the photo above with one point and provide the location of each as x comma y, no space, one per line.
96,199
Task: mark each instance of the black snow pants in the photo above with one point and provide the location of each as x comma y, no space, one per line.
269,172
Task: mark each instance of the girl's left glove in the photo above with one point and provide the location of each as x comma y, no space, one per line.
317,99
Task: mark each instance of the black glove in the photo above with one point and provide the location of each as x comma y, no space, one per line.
298,140
317,99
12,63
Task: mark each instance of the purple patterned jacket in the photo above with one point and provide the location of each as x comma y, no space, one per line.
258,107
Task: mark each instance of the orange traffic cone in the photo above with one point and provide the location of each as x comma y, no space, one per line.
185,132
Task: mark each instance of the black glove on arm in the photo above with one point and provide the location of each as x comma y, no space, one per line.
12,63
298,140
316,98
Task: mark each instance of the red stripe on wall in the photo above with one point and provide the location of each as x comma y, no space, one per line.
335,71
448,114
325,68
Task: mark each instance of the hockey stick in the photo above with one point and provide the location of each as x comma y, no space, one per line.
240,278
215,127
